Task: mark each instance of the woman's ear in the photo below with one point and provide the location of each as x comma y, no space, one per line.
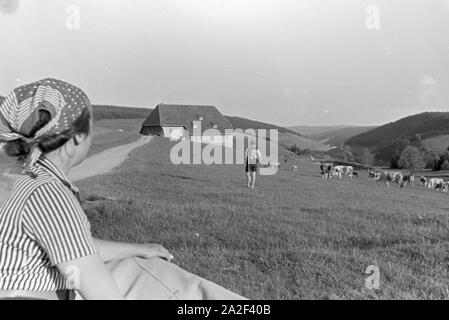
79,138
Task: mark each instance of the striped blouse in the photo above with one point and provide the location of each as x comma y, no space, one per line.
42,225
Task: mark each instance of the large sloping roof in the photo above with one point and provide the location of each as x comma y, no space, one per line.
174,115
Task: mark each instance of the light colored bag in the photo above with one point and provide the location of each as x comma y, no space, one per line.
158,279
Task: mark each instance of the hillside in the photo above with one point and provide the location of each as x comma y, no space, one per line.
287,137
382,140
339,137
116,112
312,130
129,125
439,143
243,123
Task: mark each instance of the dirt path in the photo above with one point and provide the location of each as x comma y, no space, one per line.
105,161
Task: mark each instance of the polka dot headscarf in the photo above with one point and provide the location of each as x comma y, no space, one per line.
19,112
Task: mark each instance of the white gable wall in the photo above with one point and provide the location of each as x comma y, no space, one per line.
174,133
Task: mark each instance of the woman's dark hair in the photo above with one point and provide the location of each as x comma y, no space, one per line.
49,143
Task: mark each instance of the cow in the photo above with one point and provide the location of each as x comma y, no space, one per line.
445,186
340,170
423,180
389,176
326,170
349,171
372,175
442,185
355,174
408,179
294,168
439,186
434,182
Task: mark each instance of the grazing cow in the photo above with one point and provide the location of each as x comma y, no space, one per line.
439,186
423,180
442,185
372,175
389,176
294,168
446,186
355,174
326,170
338,171
408,179
435,183
349,171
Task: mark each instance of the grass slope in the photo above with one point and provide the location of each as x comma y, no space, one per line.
243,123
286,139
104,138
294,236
439,143
130,125
114,112
338,137
311,130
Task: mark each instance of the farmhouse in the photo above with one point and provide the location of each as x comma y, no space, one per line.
189,122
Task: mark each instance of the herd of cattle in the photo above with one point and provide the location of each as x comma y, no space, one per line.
329,171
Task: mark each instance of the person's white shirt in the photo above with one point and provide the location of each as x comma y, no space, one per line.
252,154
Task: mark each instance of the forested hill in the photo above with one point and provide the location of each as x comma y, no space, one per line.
426,125
243,123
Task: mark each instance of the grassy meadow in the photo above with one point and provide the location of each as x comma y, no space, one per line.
107,137
295,236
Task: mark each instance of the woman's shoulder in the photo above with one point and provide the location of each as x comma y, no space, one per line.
18,189
26,183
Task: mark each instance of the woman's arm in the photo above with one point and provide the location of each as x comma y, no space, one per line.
110,250
90,276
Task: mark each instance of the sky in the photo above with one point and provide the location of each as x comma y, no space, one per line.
288,62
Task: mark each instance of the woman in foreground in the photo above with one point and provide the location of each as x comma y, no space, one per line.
46,247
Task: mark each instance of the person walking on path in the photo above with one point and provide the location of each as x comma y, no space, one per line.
252,158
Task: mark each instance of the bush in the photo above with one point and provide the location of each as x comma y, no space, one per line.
445,165
295,149
411,159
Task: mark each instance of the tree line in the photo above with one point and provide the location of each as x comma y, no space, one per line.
412,155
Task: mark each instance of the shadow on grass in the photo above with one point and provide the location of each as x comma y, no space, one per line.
183,177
